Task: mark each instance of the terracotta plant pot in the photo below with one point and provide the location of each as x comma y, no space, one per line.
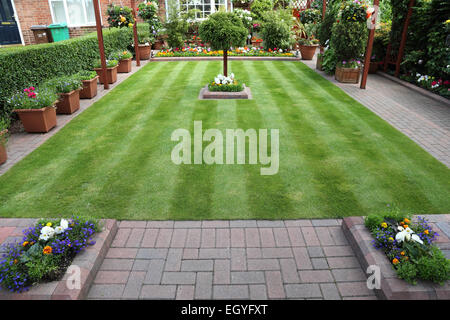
124,66
89,88
111,74
37,120
319,63
3,155
347,75
308,52
256,44
144,52
69,102
373,67
158,45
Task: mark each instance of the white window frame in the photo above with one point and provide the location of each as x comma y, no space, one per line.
199,19
66,12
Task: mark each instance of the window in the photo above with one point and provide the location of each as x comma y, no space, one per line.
204,7
73,12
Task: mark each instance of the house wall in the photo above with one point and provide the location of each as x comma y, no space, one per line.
39,14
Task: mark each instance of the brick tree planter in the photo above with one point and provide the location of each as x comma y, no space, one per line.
124,66
89,88
37,120
144,51
69,102
347,75
392,288
88,260
219,95
111,74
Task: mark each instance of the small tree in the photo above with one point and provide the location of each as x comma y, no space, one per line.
223,30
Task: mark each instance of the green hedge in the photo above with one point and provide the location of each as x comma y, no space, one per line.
22,67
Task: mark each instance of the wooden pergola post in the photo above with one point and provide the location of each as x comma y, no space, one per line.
369,45
101,47
401,50
324,9
135,35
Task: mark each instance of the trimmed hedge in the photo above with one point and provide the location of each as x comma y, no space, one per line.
21,67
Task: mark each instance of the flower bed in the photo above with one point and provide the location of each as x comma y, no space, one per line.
409,247
47,250
207,52
430,83
225,84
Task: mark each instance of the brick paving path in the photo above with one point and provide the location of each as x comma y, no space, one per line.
21,144
294,259
424,120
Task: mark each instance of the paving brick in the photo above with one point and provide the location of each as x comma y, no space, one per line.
319,263
215,224
252,237
309,290
197,265
187,224
330,291
277,253
155,271
258,292
243,224
237,238
222,273
298,223
324,236
123,253
152,253
164,238
315,252
262,264
135,238
121,237
134,284
203,285
179,238
133,224
141,265
178,278
254,253
190,253
173,262
338,236
158,292
354,289
270,224
343,262
275,289
106,291
325,222
238,259
223,239
310,236
185,292
338,251
117,264
289,271
210,253
160,224
267,237
208,238
111,277
193,238
281,237
247,277
301,258
295,236
149,239
230,292
315,276
345,275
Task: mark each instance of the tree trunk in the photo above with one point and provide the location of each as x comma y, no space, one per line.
225,62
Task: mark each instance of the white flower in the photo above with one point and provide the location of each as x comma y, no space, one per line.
232,75
59,230
64,224
44,237
406,234
46,233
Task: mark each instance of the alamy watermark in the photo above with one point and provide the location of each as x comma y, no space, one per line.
231,151
374,280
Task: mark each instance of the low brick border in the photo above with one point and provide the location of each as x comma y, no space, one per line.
420,90
205,94
217,58
392,288
89,261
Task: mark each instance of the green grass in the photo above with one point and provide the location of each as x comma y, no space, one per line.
337,158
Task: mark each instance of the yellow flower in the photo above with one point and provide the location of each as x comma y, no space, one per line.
123,19
25,243
402,253
426,231
447,21
49,224
130,25
47,250
391,239
384,225
406,220
395,261
15,261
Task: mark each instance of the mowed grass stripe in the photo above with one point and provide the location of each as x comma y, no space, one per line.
365,170
389,166
329,179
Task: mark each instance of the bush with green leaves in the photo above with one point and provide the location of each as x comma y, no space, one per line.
120,55
326,26
329,61
276,30
310,16
259,7
64,84
245,16
223,30
354,11
176,27
349,40
86,75
110,63
148,11
4,125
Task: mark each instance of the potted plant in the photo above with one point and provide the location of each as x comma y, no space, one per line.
124,57
89,80
3,140
348,71
306,40
119,16
256,42
144,47
111,70
148,11
36,108
68,89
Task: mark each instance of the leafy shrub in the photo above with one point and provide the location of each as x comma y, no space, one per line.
434,268
64,84
86,74
259,7
310,16
354,12
381,41
329,61
119,16
148,11
325,29
110,63
46,251
176,27
120,55
349,40
276,31
245,16
33,98
408,272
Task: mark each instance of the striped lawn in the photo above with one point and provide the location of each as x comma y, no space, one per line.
337,158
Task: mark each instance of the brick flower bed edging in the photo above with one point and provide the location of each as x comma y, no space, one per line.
88,260
205,94
392,288
221,58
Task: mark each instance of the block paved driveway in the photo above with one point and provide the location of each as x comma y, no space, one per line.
292,259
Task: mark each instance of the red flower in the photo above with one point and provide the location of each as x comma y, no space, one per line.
434,83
